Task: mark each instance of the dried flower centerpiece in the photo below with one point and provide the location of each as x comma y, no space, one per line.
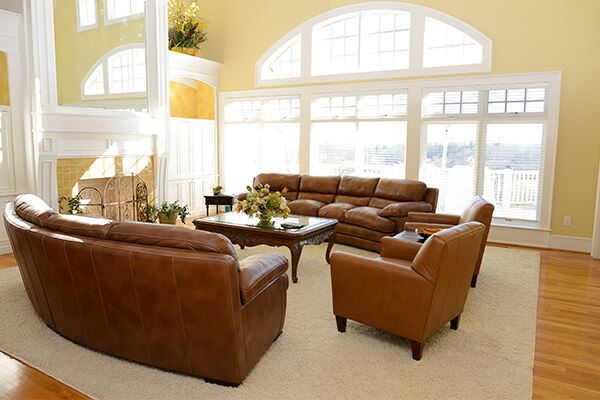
187,30
264,204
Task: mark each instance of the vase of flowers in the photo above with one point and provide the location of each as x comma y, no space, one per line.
187,30
264,204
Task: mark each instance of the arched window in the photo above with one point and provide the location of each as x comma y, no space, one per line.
120,71
375,40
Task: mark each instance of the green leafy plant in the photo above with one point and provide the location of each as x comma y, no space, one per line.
73,204
186,28
174,208
151,213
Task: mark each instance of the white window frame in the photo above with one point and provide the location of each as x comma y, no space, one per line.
104,62
119,20
417,33
414,119
81,28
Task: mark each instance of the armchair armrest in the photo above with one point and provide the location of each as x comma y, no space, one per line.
411,226
398,248
256,272
446,219
402,209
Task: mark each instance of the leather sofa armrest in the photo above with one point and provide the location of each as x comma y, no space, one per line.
402,209
411,226
398,248
446,219
257,271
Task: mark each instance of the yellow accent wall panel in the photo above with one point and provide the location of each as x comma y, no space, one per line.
183,100
4,93
205,101
527,36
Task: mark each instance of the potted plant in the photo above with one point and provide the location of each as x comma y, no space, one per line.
73,204
168,212
187,30
151,213
217,190
264,204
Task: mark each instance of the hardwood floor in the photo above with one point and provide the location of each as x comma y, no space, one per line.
567,349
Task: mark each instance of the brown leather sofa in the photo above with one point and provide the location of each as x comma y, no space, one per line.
164,296
478,210
367,208
412,289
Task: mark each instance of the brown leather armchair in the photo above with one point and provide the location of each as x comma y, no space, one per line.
478,210
412,289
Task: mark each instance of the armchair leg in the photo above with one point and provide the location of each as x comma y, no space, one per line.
454,322
474,281
417,350
341,323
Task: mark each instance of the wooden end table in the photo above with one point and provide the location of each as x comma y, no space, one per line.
218,200
243,231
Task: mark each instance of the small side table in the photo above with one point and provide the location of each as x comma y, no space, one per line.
218,200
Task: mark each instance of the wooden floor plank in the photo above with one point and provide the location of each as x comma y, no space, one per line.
567,350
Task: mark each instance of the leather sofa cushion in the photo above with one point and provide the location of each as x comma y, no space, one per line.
306,207
368,217
170,236
279,181
335,210
357,201
257,271
358,186
319,184
400,189
79,225
321,197
33,209
401,209
359,231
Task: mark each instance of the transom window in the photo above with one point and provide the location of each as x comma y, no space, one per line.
373,40
86,14
122,71
117,10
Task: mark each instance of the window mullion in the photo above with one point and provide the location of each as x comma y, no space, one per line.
481,144
305,128
413,132
417,37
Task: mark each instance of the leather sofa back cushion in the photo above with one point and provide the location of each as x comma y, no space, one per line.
357,186
170,236
322,197
279,181
79,225
380,203
33,209
355,200
319,184
400,189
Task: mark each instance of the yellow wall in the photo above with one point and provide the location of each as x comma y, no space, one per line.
77,52
527,35
187,102
4,95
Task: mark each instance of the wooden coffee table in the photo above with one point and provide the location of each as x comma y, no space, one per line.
243,231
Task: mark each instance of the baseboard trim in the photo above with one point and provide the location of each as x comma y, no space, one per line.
538,238
572,243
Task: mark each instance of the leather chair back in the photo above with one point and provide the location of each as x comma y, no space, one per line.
447,260
479,210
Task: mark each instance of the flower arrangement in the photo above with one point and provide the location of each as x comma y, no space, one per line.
264,203
187,30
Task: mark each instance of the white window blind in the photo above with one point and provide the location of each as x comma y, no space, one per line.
362,135
260,135
496,150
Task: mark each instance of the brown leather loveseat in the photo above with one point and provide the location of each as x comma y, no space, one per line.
367,208
169,297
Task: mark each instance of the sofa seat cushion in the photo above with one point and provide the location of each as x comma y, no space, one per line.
360,231
401,209
79,225
369,218
306,207
335,210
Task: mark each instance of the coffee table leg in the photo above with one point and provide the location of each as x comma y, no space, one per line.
329,247
296,252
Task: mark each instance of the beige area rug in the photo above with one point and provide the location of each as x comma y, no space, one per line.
489,357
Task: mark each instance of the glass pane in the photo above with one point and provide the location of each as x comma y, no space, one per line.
448,163
445,45
332,148
513,165
103,66
284,63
